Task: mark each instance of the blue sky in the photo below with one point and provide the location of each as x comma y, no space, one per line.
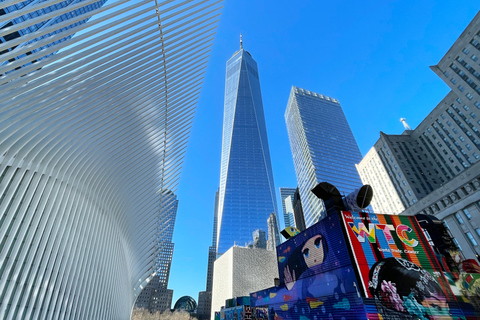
373,56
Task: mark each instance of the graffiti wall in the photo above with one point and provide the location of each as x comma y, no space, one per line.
399,274
366,266
243,313
317,279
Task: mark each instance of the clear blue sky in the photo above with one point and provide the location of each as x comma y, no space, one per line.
373,56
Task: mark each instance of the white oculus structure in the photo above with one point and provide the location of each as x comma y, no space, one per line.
91,138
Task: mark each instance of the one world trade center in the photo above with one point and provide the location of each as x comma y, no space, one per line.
247,192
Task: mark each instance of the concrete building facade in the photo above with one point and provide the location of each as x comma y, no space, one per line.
241,271
433,169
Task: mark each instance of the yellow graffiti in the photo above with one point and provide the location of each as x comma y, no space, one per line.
314,304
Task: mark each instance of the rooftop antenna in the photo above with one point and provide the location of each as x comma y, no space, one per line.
405,124
241,42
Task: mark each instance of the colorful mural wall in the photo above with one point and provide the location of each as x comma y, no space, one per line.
243,312
366,266
398,272
317,278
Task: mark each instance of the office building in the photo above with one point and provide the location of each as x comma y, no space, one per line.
434,168
247,192
156,296
401,171
259,239
205,297
91,147
292,208
298,216
286,194
323,147
273,232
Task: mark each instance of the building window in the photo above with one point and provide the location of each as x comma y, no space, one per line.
453,81
461,138
467,214
443,116
457,244
471,238
477,231
466,51
461,88
469,96
466,108
409,192
468,146
476,156
477,104
474,57
459,218
473,115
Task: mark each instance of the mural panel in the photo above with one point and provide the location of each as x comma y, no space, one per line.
317,279
399,273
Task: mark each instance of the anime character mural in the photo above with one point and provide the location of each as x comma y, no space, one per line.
316,275
308,255
403,290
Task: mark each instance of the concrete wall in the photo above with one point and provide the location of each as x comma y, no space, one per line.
241,271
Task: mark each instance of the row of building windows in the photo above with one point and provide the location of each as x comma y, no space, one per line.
460,220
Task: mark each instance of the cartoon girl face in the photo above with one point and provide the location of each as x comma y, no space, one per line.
313,251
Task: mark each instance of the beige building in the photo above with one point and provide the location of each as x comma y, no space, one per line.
434,168
241,271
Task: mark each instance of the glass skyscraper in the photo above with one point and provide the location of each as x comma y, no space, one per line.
156,296
323,148
247,192
286,194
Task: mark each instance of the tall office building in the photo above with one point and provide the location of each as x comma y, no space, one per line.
286,194
91,142
323,147
259,239
247,192
401,170
156,296
205,297
273,232
298,216
434,169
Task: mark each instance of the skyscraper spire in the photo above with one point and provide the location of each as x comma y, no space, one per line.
241,42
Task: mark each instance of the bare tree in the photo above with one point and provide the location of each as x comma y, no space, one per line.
144,314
